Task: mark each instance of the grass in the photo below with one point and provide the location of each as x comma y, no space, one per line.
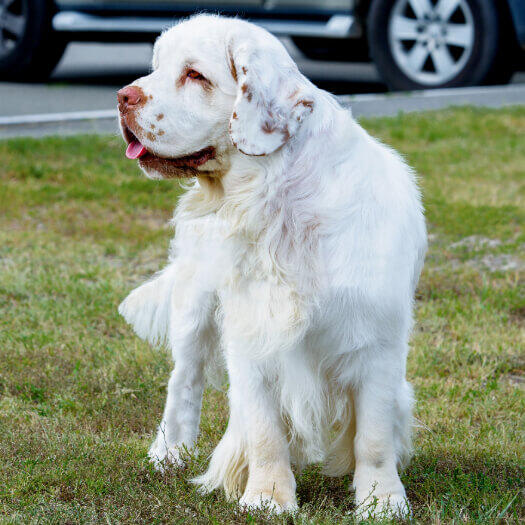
80,395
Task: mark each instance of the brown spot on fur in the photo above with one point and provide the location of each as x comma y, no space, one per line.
233,69
234,116
160,116
267,127
160,133
247,91
244,70
152,126
151,97
151,136
306,104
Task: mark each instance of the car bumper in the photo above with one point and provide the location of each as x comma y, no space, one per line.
78,23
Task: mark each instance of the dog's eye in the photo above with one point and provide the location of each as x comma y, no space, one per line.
195,75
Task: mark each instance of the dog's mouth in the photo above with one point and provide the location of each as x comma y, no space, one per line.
137,151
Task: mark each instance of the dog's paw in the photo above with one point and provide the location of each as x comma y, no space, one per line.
389,507
267,502
163,456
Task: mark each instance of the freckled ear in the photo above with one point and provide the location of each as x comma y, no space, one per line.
270,104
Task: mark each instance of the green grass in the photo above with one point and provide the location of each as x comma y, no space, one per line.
80,395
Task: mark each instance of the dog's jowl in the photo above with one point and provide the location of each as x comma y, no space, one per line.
298,247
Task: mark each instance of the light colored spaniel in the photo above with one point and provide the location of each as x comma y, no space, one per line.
298,247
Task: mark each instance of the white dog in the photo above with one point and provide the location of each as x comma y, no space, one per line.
298,247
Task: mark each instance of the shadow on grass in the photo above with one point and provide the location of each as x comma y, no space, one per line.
477,488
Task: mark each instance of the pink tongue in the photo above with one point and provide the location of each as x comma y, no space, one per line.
135,150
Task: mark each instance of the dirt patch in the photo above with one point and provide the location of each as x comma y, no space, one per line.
476,242
499,263
516,380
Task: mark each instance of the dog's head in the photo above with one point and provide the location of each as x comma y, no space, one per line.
219,87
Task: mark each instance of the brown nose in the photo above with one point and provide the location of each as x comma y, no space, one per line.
129,96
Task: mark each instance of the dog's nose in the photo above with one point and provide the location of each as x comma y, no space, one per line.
129,96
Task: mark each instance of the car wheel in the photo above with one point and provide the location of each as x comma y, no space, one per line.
418,44
29,48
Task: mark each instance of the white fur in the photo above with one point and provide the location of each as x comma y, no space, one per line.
296,268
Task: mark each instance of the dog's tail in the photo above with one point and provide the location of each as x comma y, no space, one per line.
148,308
340,459
228,465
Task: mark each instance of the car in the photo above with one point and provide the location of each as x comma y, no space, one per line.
415,44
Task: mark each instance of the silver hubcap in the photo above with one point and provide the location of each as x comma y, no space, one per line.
431,40
12,24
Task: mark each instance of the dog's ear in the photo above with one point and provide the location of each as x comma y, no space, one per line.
271,100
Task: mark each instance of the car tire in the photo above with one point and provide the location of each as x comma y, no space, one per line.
29,48
427,47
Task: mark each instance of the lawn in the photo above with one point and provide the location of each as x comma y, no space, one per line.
80,395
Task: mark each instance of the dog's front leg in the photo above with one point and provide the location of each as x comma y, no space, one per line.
192,343
180,422
270,482
383,406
